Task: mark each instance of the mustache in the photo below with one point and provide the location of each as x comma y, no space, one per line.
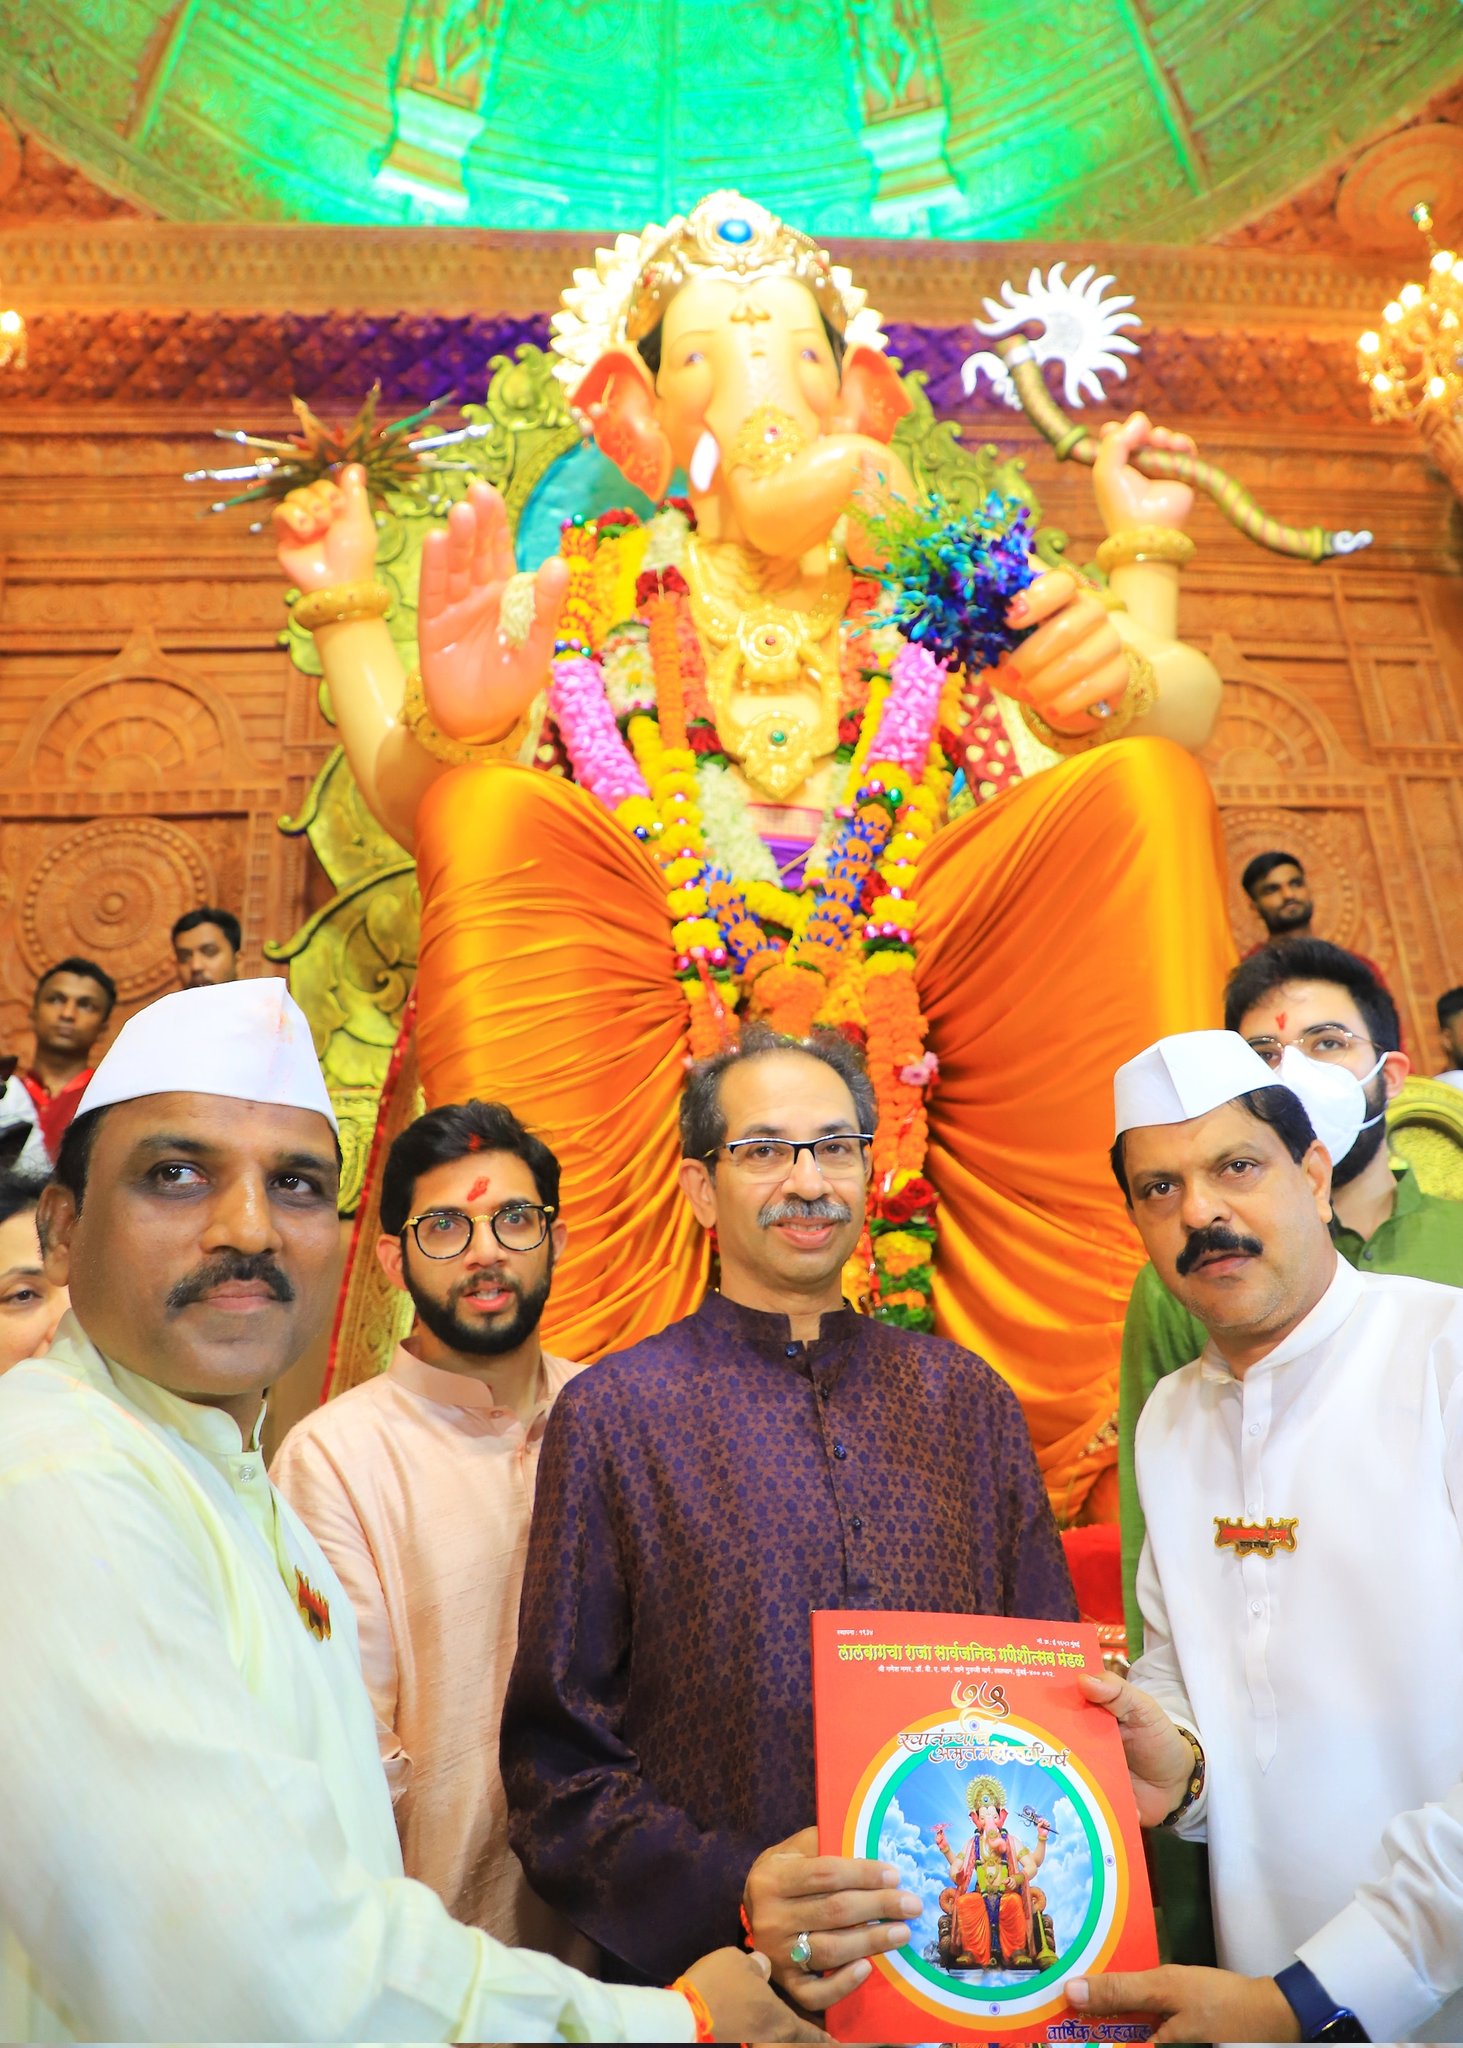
229,1266
1215,1237
485,1277
822,1209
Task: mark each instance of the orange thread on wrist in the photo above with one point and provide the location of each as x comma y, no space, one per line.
700,2010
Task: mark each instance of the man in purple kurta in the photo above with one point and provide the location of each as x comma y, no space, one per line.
699,1495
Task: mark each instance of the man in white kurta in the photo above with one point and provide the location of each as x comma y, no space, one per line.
1301,1583
197,1834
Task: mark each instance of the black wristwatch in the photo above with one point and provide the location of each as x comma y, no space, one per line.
1320,2017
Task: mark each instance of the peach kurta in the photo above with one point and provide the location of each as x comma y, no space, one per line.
419,1489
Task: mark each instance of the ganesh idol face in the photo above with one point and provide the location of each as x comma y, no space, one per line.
747,374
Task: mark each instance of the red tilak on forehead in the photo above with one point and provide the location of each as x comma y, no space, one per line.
478,1189
1280,1018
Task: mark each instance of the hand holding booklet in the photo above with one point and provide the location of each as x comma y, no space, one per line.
960,1749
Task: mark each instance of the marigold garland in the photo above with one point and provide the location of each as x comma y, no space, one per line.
838,952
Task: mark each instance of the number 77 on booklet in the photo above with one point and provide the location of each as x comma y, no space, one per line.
958,1748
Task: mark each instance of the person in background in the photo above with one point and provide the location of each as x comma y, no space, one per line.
198,1836
1450,1029
418,1486
69,1013
206,948
1276,885
699,1495
1312,1001
1299,1702
1321,1013
30,1304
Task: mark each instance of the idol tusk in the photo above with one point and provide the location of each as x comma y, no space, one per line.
705,461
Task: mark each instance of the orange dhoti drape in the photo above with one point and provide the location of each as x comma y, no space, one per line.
1060,929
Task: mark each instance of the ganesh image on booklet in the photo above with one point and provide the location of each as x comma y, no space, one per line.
960,1751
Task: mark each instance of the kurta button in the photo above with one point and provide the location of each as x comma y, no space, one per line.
1254,1429
790,1350
856,1524
839,1451
1256,1607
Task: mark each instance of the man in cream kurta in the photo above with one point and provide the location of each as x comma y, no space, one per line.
1301,1582
198,1841
419,1487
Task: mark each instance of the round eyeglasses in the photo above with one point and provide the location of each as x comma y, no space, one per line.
1329,1043
447,1233
843,1157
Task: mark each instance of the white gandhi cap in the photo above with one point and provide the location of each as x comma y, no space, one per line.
1185,1076
248,1040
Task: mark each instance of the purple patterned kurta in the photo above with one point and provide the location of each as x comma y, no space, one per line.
698,1496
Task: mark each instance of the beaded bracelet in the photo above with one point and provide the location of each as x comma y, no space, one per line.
700,2010
1195,1785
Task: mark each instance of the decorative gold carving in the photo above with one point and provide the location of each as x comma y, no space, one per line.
374,1315
1425,1127
352,963
943,467
110,891
773,639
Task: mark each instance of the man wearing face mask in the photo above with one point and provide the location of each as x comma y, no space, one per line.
1297,1705
1321,1018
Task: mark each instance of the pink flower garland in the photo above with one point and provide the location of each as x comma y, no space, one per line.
602,763
916,681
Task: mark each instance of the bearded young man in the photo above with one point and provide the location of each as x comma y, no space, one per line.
699,1495
199,1843
418,1486
1297,1704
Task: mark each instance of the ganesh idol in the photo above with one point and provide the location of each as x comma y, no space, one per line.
759,801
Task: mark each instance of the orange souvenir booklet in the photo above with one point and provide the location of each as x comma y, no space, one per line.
959,1749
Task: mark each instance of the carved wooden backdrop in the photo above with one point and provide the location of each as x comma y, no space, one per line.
153,733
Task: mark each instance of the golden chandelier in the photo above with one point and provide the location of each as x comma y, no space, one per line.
1413,365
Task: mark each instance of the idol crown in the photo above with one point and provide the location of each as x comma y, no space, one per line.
630,286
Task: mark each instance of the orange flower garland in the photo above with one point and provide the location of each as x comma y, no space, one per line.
839,953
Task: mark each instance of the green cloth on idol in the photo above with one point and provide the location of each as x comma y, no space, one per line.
1423,1237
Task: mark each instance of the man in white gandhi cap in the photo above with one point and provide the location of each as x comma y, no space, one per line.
1299,1702
197,1834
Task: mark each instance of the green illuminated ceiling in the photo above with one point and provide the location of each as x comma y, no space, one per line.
1145,120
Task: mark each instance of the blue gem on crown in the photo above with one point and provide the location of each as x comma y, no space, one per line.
735,230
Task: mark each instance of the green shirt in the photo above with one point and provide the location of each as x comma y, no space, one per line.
1422,1237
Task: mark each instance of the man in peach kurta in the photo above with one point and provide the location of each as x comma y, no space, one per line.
418,1486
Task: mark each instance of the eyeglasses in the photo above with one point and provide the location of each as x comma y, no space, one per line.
447,1233
1327,1042
843,1157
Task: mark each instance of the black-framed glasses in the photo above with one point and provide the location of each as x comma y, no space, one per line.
447,1233
1329,1043
840,1157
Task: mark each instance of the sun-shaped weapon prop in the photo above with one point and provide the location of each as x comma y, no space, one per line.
1082,330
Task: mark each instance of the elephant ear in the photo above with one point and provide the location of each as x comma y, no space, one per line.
871,398
618,399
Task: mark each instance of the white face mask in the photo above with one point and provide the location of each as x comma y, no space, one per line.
1332,1097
